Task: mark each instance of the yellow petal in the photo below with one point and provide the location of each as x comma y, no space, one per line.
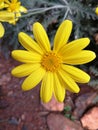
26,56
32,80
14,1
76,74
96,10
41,37
46,91
62,35
80,58
1,4
7,1
28,43
13,21
1,30
68,81
59,91
24,69
23,9
74,46
18,14
6,16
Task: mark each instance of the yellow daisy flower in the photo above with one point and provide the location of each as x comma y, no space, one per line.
15,6
52,66
5,17
96,10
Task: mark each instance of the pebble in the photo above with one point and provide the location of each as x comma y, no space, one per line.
90,119
59,122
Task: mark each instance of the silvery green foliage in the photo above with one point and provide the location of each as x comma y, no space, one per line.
51,13
94,77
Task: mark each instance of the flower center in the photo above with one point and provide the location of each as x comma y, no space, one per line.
51,61
14,6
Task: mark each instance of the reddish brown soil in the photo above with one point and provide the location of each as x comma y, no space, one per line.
21,110
18,110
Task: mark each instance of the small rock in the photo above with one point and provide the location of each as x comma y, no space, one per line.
43,113
23,116
10,93
13,121
5,79
59,122
83,101
32,96
90,119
